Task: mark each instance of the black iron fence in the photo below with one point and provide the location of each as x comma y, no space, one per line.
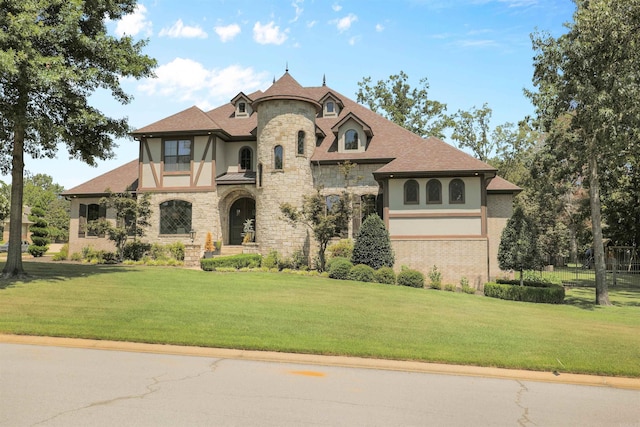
622,266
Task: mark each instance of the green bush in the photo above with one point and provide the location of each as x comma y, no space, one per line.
158,251
385,275
63,254
297,261
464,285
373,244
340,269
233,261
538,293
362,273
449,287
135,251
343,249
39,233
411,278
272,260
336,259
177,250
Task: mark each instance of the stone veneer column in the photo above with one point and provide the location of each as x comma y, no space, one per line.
279,122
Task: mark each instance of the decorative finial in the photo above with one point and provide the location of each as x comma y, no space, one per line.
324,80
287,67
274,79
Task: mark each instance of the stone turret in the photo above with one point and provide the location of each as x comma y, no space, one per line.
286,140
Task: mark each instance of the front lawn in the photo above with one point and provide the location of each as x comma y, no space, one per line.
291,313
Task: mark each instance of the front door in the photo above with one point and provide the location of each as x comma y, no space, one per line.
241,210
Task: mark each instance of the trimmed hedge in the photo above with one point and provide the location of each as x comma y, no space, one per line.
340,268
385,275
234,261
411,278
362,273
537,292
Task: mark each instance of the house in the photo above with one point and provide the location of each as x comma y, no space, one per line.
211,171
26,223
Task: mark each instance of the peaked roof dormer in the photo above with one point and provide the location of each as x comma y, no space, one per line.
286,87
365,127
242,105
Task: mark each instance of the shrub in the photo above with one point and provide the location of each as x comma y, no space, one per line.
449,287
336,259
158,251
134,251
411,278
362,273
297,261
76,256
435,278
272,260
63,254
539,293
39,233
208,243
340,269
385,275
464,284
233,261
343,249
177,250
373,245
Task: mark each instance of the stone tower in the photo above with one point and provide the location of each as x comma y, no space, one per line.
285,142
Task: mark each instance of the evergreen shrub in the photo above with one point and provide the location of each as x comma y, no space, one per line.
373,244
135,251
385,275
340,269
411,278
272,260
362,273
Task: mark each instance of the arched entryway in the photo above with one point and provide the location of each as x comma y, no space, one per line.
241,210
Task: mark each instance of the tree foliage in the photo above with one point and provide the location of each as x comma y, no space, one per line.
408,107
53,55
588,101
372,245
518,249
471,130
131,219
326,222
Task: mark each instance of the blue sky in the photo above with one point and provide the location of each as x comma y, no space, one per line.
471,51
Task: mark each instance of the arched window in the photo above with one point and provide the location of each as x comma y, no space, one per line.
456,191
351,140
175,217
411,192
300,142
246,159
277,157
434,191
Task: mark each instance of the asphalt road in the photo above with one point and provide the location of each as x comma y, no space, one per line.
55,386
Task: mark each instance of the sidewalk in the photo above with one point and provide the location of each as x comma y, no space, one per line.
343,361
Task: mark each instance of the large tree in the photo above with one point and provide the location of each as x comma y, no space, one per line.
408,107
53,55
472,130
588,100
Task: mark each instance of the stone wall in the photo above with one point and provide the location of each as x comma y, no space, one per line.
279,122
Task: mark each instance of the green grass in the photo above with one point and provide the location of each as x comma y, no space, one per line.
290,313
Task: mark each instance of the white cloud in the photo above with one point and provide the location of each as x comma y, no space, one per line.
228,32
379,28
268,33
311,24
189,80
179,30
354,40
134,23
343,24
297,5
336,7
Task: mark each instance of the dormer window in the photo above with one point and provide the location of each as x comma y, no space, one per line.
242,105
330,107
242,108
351,140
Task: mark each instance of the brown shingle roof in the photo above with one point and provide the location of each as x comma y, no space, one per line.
119,180
501,185
190,120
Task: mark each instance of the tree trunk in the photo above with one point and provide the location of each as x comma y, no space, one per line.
602,291
13,268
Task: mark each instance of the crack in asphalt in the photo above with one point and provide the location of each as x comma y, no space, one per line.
153,387
524,419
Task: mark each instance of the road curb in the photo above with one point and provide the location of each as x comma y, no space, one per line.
342,361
